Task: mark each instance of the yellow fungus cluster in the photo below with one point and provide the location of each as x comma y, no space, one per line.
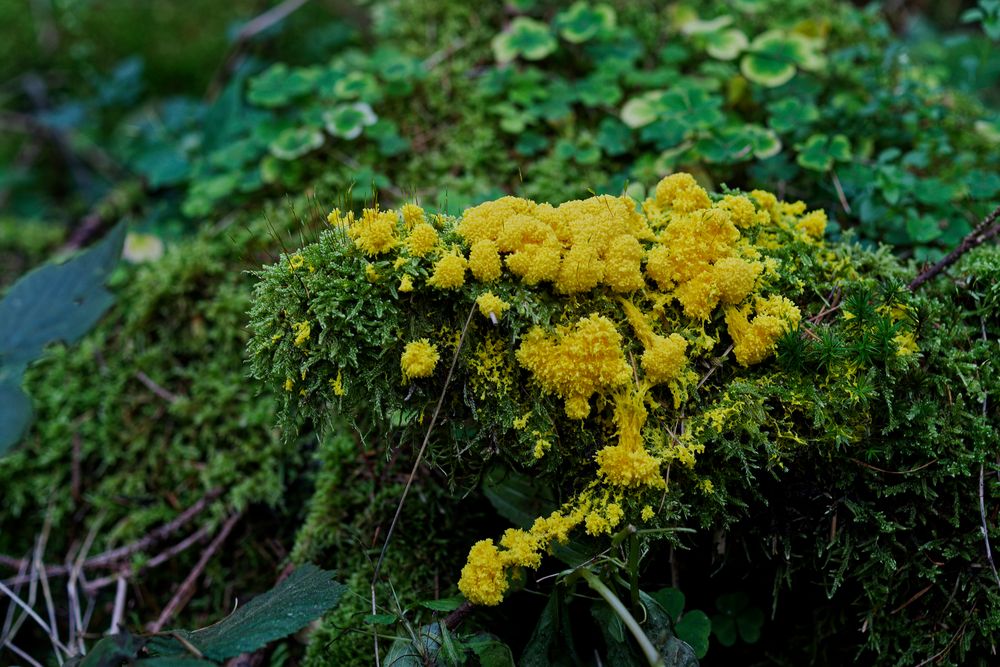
449,272
755,339
419,359
577,362
491,305
485,575
631,295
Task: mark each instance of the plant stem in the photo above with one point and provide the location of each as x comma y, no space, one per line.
633,569
599,587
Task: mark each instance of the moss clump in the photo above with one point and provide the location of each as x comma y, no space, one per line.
821,388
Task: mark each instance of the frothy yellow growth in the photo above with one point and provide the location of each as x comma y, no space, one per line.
486,221
422,239
581,270
419,359
490,304
405,284
755,340
521,548
337,384
768,202
375,233
681,193
484,261
628,464
541,447
813,223
663,360
623,264
491,371
536,262
484,579
734,278
449,272
577,362
296,262
413,215
741,210
301,331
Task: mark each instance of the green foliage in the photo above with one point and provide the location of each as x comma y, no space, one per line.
58,302
845,474
302,597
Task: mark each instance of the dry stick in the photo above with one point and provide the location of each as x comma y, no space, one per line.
76,573
168,396
119,610
413,472
37,619
250,30
983,232
179,599
157,560
39,565
113,557
985,529
21,654
840,193
32,581
6,633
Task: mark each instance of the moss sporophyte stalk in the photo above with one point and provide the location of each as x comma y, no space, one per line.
607,314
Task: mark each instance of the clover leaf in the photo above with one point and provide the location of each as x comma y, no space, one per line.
278,85
736,618
295,142
789,113
614,137
531,143
525,38
692,627
582,21
726,44
357,85
737,143
642,110
697,26
774,56
347,121
820,151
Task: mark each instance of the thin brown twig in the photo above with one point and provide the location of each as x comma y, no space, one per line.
113,558
985,527
413,471
150,384
118,613
38,564
37,619
716,365
840,192
199,535
21,654
186,588
984,231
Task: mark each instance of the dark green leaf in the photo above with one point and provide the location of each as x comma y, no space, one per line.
304,596
446,604
694,628
672,601
15,414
